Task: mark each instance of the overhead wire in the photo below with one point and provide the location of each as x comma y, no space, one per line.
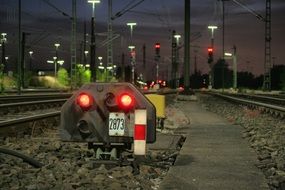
57,9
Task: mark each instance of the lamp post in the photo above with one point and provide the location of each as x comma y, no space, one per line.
3,40
85,57
56,53
131,25
133,61
211,73
132,50
234,57
6,61
31,53
101,67
177,37
55,66
93,45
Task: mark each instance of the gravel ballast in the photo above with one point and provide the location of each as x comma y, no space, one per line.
72,165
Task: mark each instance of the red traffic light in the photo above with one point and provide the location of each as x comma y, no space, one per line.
210,49
125,101
157,46
85,101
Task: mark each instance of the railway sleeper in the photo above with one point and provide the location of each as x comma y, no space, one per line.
115,155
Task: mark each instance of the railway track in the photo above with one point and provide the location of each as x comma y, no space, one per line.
263,103
35,97
22,112
68,164
18,109
23,109
265,98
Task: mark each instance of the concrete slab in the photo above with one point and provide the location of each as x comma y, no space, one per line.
214,156
165,142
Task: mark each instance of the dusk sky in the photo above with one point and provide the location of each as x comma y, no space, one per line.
155,21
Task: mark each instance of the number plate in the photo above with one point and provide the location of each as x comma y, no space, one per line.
116,124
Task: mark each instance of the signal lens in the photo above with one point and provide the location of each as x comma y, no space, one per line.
126,101
85,101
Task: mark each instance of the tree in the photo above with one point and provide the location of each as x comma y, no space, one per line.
223,76
62,76
197,80
276,77
245,80
1,78
282,79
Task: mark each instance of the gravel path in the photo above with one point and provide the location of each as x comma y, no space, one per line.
265,134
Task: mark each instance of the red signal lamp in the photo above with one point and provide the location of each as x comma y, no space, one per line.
125,101
157,46
85,101
210,49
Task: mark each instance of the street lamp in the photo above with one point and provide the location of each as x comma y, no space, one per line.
30,66
60,62
211,73
85,57
212,28
133,61
92,45
132,50
131,25
177,37
6,59
56,57
228,54
56,49
93,2
3,40
114,70
234,57
55,66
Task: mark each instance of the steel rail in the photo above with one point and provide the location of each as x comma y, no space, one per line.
277,100
33,97
250,102
26,119
9,105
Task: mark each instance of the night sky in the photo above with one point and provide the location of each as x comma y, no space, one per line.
155,21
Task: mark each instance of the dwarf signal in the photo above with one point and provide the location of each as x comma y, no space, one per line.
106,116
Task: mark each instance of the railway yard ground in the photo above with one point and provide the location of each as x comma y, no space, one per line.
233,148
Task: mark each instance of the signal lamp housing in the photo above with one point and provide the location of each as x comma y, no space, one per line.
85,101
125,101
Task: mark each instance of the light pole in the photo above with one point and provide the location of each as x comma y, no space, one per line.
132,50
85,57
211,73
131,25
6,61
177,37
101,67
3,41
93,45
56,53
235,67
31,53
133,61
234,57
55,66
